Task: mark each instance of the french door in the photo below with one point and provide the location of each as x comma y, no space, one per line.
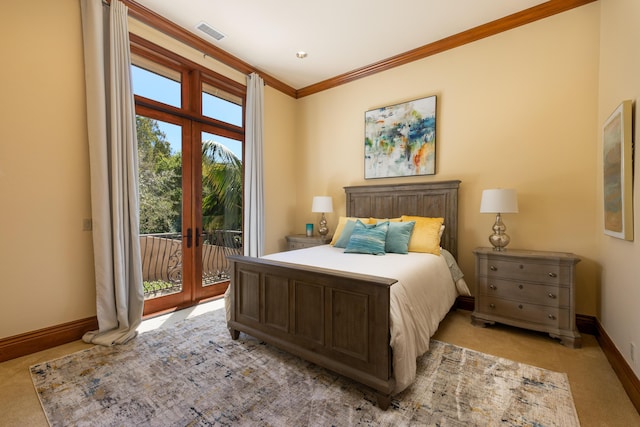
190,209
190,128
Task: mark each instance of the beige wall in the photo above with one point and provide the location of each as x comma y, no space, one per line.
620,80
46,268
282,172
515,110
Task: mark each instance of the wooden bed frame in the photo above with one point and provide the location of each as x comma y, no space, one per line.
337,320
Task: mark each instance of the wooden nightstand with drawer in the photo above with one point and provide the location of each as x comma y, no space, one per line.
527,289
300,241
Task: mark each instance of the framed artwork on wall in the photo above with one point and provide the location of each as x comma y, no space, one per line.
617,165
400,140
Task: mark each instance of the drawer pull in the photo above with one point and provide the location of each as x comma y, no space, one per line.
492,306
520,306
520,287
552,296
521,267
493,268
552,317
492,287
553,274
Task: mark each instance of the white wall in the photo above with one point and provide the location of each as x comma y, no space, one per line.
619,309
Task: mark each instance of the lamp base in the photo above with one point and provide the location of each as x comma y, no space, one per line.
323,229
499,239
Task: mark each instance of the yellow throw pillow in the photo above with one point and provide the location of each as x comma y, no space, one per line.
341,222
426,234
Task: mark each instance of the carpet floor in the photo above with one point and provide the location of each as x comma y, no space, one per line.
193,374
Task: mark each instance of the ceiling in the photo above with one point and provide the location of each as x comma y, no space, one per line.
339,36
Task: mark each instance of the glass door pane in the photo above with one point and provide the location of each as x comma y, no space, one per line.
161,197
221,208
221,105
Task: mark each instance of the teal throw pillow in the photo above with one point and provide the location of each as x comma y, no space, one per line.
343,240
368,239
398,237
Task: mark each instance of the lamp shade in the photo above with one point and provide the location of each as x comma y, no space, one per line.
499,200
322,204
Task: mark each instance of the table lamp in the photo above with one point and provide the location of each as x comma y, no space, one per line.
322,204
499,201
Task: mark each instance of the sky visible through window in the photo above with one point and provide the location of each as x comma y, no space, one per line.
162,89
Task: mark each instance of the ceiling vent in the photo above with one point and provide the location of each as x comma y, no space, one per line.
209,30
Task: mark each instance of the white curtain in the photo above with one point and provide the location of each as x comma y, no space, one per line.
253,169
114,172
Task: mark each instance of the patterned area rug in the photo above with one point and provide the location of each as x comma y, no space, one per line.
193,374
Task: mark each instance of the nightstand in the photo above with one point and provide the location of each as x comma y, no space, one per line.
299,241
527,289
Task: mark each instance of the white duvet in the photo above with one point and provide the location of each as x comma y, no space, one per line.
421,298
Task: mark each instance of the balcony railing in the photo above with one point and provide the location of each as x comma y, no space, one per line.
162,260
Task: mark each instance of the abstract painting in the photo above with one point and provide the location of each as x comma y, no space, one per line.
617,170
400,140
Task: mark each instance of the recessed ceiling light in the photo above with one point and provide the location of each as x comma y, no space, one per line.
302,54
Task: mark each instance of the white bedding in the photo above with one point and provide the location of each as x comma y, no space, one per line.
423,295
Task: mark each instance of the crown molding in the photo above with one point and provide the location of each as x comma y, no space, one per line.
527,16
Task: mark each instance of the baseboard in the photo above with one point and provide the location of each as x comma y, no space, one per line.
464,302
587,324
42,339
623,371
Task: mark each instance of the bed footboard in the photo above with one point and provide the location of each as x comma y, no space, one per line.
337,320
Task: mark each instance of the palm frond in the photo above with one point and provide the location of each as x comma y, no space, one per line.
222,184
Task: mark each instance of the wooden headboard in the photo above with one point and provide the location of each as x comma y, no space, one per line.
430,199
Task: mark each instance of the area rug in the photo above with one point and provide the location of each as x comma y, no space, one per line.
193,374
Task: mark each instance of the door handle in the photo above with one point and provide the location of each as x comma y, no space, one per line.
189,237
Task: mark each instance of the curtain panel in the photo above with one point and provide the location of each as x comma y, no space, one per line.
114,172
253,172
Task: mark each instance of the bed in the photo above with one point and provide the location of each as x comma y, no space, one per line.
343,320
